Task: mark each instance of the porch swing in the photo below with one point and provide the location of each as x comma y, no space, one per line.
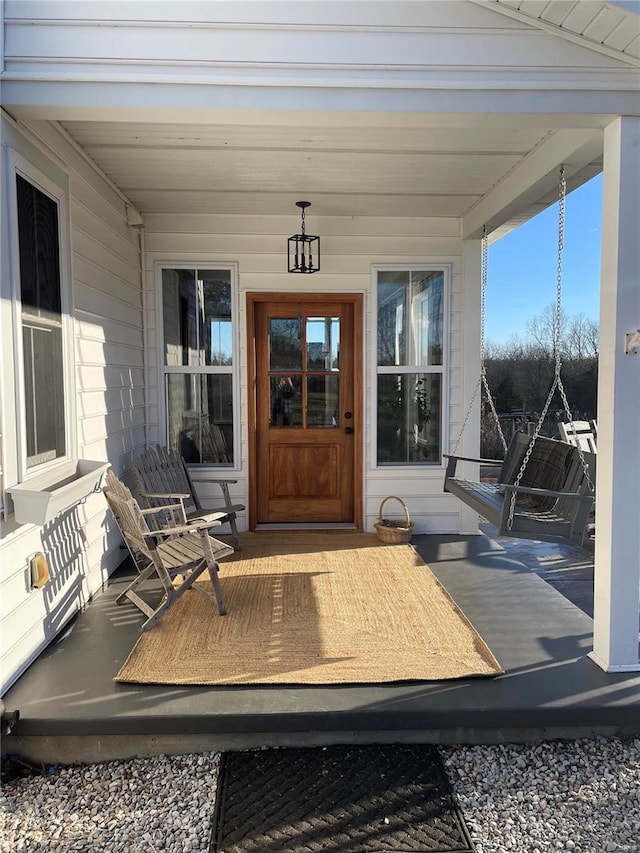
544,490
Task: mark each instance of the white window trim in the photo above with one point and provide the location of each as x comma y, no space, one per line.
14,413
442,370
202,263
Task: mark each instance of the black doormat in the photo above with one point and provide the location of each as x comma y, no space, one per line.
338,799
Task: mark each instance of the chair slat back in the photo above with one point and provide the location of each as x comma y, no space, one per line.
162,470
126,512
576,481
554,465
580,433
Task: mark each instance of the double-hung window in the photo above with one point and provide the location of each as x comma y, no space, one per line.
197,344
410,365
37,387
41,320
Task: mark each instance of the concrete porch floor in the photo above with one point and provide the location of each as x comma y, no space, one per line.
71,709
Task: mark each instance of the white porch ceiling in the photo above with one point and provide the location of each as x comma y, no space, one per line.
366,170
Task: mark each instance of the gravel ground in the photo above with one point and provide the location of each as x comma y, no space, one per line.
579,796
145,805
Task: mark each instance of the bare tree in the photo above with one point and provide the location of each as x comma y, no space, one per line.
582,337
541,330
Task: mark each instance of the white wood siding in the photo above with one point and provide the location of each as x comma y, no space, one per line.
350,246
82,545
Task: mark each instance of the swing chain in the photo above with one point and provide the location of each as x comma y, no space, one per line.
558,323
557,381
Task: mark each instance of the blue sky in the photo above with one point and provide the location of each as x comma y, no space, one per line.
522,266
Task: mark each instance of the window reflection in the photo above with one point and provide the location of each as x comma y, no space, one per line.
196,311
322,402
410,318
323,343
285,345
198,363
408,418
200,417
286,401
304,392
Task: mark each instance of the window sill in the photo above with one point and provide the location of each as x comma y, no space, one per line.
40,499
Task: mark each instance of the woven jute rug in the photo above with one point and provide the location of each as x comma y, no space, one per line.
314,609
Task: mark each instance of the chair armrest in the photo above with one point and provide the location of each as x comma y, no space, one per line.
200,526
169,515
215,517
473,459
544,493
210,480
156,510
180,495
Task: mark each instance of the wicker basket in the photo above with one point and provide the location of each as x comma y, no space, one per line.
395,533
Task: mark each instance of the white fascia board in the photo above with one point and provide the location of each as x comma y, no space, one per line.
312,119
533,178
72,100
275,75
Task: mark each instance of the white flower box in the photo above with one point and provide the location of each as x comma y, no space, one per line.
41,498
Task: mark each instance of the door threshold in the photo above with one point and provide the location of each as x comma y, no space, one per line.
306,525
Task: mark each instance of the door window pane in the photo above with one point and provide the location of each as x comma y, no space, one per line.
285,395
323,343
409,406
285,344
200,417
322,402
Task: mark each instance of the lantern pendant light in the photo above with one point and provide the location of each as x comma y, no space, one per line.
303,250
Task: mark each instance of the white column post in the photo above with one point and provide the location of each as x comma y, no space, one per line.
617,548
470,444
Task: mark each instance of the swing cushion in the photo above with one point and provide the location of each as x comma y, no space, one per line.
546,469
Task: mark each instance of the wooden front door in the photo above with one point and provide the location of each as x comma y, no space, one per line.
307,407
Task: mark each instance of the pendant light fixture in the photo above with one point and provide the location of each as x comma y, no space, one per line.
303,250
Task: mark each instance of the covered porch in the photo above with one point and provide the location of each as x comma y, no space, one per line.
71,709
169,145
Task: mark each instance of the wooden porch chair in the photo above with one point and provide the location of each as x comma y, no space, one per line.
173,550
162,478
